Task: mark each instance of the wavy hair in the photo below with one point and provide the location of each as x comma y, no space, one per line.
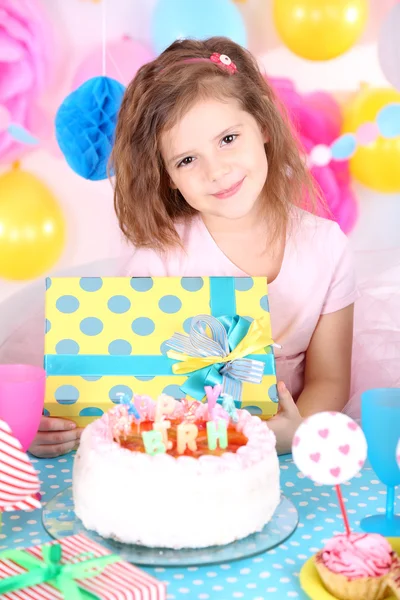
161,93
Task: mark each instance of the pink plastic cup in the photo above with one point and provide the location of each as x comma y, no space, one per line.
22,390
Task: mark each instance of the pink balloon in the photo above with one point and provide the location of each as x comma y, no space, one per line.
123,59
5,118
317,120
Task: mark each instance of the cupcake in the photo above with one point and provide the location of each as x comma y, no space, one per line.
356,566
394,579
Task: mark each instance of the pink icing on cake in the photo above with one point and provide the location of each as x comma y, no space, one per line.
358,555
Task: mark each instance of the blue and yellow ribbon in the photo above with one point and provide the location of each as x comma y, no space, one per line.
220,351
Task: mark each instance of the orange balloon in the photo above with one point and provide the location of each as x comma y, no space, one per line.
32,228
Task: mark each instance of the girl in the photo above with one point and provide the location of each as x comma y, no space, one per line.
208,181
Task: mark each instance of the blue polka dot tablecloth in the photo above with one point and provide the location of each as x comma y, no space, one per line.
272,575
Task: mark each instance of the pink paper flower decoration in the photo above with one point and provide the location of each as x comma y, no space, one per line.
25,48
317,119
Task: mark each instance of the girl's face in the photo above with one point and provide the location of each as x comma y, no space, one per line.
215,156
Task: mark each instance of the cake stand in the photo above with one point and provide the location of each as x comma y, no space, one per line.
59,520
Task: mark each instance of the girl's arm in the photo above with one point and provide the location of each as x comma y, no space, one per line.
328,364
327,377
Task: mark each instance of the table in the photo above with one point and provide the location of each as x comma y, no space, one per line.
272,575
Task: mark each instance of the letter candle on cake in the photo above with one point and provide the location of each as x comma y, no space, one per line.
165,406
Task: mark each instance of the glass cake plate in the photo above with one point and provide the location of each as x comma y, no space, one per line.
59,520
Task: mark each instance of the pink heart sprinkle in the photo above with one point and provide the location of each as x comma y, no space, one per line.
333,414
352,425
361,463
296,440
335,472
344,449
323,433
315,457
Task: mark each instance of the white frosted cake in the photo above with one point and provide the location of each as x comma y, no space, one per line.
187,493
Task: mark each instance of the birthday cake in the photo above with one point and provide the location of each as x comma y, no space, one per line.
176,474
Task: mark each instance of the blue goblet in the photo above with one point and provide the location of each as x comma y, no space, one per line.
380,421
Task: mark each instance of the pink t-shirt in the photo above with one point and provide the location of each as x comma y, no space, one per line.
317,277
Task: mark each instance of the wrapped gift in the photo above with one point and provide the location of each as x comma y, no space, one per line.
75,568
114,336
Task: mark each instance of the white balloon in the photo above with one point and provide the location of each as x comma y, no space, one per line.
389,46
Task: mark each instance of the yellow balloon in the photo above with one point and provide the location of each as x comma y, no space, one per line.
320,29
377,164
32,229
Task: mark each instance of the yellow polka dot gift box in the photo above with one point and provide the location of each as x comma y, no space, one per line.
111,337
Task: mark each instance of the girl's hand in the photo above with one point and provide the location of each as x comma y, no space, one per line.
55,437
286,421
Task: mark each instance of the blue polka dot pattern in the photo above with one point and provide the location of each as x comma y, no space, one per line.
67,304
114,396
48,282
253,410
243,284
273,393
67,347
141,284
47,326
91,411
91,326
91,377
144,378
264,303
120,347
119,304
192,284
174,391
187,325
46,412
143,326
170,304
164,348
66,394
91,284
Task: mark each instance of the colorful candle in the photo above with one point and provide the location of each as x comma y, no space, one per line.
165,406
186,434
162,427
217,435
228,404
212,394
153,442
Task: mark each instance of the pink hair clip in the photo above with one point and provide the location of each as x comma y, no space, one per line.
224,61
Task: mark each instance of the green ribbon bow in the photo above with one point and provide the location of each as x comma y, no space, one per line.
51,571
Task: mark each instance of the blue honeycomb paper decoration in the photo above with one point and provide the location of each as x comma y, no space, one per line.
85,126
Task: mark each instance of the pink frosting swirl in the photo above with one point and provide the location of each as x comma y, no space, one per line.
358,555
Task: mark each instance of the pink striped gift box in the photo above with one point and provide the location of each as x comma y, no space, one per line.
118,581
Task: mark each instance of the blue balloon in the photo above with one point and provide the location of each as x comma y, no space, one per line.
388,120
199,19
85,125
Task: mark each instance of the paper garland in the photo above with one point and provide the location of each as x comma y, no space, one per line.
387,125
